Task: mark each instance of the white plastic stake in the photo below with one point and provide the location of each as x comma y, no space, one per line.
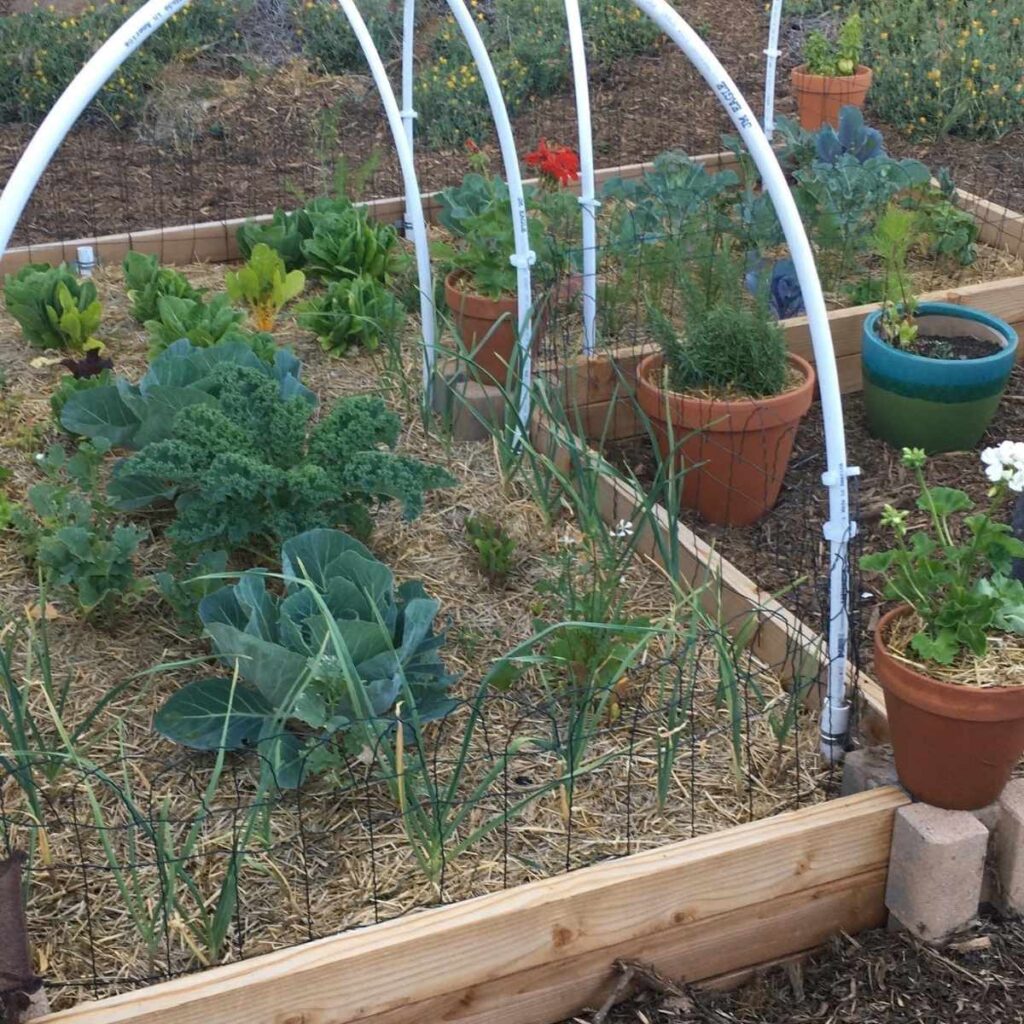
588,200
99,68
413,200
835,712
772,54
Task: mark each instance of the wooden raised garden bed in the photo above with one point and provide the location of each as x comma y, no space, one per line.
707,909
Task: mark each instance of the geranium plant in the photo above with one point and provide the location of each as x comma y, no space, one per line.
955,572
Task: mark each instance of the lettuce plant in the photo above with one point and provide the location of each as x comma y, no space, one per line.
203,323
353,311
338,650
53,308
147,281
346,243
264,285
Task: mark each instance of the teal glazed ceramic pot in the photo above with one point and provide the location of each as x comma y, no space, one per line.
940,405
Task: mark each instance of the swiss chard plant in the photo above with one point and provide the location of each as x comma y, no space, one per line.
342,654
126,415
264,285
54,309
246,468
353,311
146,281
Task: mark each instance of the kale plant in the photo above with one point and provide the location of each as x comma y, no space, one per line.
247,467
336,653
127,415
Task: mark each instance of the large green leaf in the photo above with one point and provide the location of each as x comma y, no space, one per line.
100,412
195,716
276,672
316,555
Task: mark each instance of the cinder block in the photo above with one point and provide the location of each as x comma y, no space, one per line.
1010,847
936,870
473,410
869,768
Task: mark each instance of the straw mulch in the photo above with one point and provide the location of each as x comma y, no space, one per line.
335,855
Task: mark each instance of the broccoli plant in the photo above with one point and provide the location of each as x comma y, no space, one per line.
245,467
53,308
264,285
79,548
147,281
334,655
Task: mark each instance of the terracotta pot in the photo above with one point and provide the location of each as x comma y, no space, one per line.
487,328
955,746
819,98
735,453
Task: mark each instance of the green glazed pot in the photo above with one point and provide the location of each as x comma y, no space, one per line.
940,405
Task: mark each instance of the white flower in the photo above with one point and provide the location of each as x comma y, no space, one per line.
623,528
39,456
1005,464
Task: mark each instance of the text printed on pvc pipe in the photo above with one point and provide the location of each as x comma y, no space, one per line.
154,23
733,104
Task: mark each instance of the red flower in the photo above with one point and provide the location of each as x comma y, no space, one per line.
558,164
471,146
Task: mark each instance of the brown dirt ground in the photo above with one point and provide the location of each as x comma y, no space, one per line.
878,977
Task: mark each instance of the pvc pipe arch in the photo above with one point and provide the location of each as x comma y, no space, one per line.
772,54
589,203
839,530
69,106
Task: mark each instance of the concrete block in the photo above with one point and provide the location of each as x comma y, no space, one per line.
473,410
868,768
936,870
989,817
1009,847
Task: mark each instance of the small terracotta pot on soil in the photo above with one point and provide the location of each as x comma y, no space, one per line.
734,451
955,746
487,327
819,98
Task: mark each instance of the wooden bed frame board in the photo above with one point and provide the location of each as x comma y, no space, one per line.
535,954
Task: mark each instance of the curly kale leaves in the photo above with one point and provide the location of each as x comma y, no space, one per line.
247,466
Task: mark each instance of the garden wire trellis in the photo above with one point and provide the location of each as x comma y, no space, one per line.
258,867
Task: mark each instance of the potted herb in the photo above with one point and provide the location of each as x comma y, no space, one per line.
481,288
933,372
831,76
949,657
727,397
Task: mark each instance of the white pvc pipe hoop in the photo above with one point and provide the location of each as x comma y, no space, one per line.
408,112
69,106
401,132
588,199
835,712
523,257
772,54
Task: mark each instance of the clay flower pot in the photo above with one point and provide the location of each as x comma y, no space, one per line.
734,452
819,98
955,746
487,327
